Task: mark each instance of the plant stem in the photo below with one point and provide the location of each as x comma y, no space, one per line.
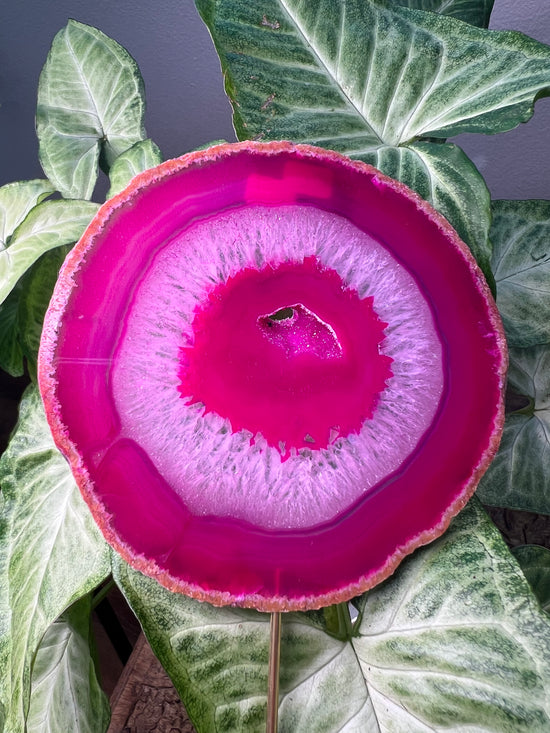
338,621
273,672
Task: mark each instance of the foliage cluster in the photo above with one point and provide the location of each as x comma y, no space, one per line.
457,636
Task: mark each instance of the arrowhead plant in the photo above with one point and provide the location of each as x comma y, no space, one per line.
271,376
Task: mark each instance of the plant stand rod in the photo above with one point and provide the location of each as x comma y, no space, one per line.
273,672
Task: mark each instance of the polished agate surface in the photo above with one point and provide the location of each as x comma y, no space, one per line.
286,421
274,371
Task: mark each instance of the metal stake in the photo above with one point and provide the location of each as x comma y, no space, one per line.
273,672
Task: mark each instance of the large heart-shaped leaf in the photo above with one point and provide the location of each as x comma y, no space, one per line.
521,264
141,156
90,107
218,660
65,692
518,477
455,636
16,200
476,12
51,552
48,225
373,70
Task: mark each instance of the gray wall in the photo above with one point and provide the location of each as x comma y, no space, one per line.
186,103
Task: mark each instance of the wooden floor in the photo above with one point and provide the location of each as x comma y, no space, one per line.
144,700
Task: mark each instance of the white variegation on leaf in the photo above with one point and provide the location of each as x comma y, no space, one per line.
518,477
444,175
36,291
218,659
51,552
65,692
90,107
16,200
48,225
455,640
520,233
141,156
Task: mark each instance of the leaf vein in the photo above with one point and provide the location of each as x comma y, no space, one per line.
325,64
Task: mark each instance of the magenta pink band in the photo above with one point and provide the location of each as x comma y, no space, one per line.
226,560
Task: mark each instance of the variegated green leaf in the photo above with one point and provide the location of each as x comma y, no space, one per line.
51,552
529,374
444,175
90,107
50,224
476,12
218,660
141,156
534,560
521,264
65,692
369,73
455,640
518,477
22,313
16,200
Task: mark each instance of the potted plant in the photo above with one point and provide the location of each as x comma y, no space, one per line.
455,633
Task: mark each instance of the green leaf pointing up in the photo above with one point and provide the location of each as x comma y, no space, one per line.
370,73
66,695
90,107
141,156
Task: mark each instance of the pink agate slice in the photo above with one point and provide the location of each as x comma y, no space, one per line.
274,371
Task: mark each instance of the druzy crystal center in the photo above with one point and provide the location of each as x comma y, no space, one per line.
296,330
289,352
